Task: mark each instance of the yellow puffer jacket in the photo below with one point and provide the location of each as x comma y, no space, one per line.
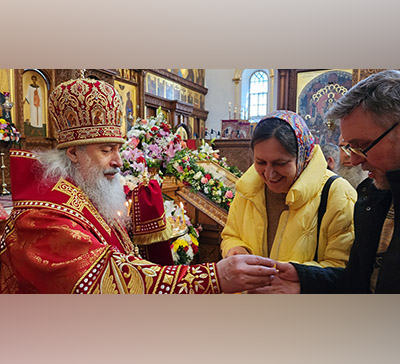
296,235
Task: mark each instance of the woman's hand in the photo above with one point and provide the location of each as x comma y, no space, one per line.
285,281
237,250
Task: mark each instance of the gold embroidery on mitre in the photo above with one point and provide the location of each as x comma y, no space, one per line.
78,200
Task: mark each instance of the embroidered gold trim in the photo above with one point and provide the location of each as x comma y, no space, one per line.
78,200
80,284
58,208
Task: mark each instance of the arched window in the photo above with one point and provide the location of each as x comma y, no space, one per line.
258,95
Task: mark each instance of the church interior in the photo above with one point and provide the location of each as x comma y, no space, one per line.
214,113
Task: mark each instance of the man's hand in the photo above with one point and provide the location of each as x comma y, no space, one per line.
243,272
285,281
237,250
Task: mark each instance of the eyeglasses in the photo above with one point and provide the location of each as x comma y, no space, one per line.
363,152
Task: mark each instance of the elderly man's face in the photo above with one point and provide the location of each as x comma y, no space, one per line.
359,130
95,167
105,157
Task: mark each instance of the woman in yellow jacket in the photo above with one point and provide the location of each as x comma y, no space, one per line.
274,212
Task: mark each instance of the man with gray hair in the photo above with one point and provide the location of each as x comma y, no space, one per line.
339,162
66,233
369,115
354,174
332,156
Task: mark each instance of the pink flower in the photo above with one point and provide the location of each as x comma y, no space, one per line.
228,194
171,151
179,169
204,180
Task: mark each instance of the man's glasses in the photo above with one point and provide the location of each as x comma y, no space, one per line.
363,152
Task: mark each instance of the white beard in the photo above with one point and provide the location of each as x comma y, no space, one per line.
107,195
354,174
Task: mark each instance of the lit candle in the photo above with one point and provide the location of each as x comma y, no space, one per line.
129,207
183,213
119,213
229,104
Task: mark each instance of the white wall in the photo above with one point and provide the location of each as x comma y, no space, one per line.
221,91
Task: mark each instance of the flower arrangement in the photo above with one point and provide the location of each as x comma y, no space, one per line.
207,153
151,145
184,168
8,132
185,247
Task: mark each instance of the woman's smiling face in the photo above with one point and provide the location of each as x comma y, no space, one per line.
275,165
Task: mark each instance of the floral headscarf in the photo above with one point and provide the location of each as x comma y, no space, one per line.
305,140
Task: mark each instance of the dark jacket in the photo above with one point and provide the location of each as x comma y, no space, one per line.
369,215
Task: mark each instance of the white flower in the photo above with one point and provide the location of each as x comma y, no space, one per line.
131,181
207,149
135,132
169,207
198,175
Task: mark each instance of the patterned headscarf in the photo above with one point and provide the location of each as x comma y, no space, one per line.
305,140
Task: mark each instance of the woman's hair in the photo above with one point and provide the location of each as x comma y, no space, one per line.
279,129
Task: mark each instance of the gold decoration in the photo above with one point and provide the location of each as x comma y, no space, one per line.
78,201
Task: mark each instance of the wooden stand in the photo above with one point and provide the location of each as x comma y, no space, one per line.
201,211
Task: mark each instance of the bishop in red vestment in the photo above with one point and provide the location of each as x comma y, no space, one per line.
64,235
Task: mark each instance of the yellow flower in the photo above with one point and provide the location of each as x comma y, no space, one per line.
194,240
179,242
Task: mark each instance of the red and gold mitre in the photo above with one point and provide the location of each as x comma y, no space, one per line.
86,111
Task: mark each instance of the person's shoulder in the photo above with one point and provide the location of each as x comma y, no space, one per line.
340,186
250,183
366,186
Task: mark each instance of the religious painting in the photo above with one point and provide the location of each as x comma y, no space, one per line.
229,129
202,102
160,87
35,91
191,126
7,86
202,128
243,130
127,74
151,84
182,132
190,97
128,94
177,92
316,93
193,75
196,100
183,94
169,90
200,75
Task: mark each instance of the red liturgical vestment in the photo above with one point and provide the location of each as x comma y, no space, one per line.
55,241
